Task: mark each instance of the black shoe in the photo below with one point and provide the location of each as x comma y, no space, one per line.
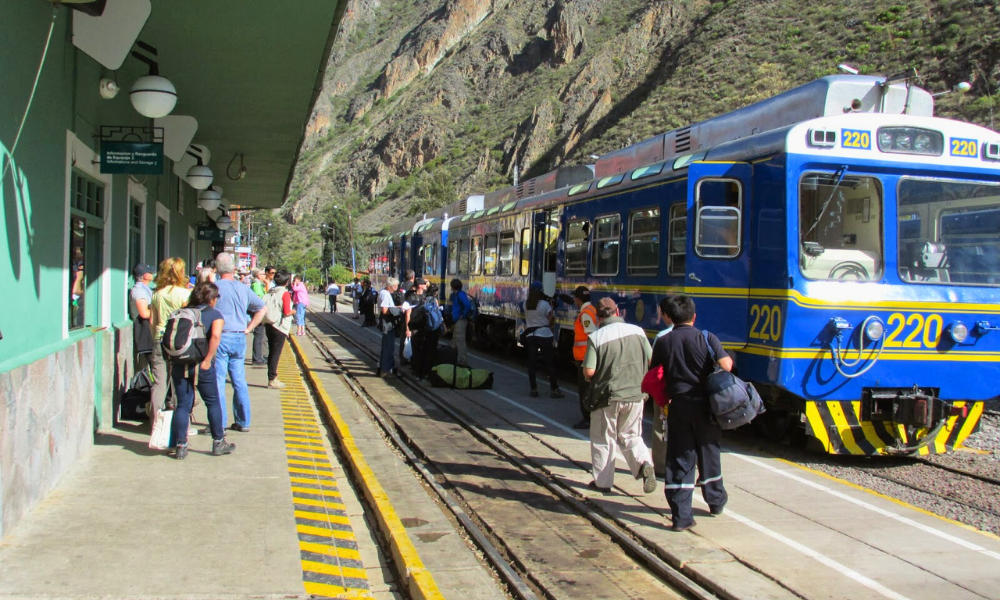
582,424
678,528
557,393
220,447
648,478
533,393
181,452
593,485
240,428
716,510
205,431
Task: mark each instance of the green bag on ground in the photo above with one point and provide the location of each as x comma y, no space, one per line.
464,378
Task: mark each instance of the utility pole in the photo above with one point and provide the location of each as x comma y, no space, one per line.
350,228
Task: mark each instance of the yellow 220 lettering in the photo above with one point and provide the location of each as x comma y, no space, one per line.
766,322
918,329
961,147
857,139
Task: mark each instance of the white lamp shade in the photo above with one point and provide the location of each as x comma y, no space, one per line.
223,222
214,214
199,177
153,96
209,199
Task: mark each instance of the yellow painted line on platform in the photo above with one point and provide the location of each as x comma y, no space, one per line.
410,568
306,455
890,499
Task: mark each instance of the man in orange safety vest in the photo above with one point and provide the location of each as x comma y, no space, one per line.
585,324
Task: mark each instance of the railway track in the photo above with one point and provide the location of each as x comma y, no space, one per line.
513,561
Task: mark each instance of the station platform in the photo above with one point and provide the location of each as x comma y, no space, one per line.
278,518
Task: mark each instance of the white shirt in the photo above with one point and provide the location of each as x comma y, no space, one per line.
539,317
385,299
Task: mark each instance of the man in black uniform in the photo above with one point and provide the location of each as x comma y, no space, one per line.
693,436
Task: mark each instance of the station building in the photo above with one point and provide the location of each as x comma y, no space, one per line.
246,75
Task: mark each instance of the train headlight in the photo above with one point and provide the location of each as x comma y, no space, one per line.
875,329
910,140
958,331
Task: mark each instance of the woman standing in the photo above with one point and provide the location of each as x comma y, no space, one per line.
171,293
203,298
301,298
277,333
538,319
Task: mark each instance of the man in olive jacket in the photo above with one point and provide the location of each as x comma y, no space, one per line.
617,359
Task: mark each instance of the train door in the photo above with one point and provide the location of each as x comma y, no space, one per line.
717,260
545,249
404,255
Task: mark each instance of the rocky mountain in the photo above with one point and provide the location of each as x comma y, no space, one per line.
426,101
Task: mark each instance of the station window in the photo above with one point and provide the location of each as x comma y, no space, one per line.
576,247
134,232
86,249
506,253
490,256
464,246
453,257
677,239
606,245
840,227
719,210
476,256
644,242
525,251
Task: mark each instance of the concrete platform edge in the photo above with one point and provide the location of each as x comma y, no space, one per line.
410,567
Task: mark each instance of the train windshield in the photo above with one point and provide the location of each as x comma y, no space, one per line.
840,227
948,232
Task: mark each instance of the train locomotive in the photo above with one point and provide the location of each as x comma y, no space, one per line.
841,241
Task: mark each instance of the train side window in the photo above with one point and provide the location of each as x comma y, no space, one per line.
525,251
606,245
429,259
677,240
490,256
463,255
576,247
476,256
644,242
506,253
840,227
719,210
453,257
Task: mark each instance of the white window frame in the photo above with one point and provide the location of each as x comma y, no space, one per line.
163,212
138,192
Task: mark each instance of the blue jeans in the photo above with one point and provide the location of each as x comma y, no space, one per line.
229,360
208,387
300,314
387,362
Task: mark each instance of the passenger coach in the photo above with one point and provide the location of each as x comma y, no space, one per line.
839,239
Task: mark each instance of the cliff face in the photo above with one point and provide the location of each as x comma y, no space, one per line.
429,100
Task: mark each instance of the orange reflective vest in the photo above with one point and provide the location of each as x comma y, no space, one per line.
586,323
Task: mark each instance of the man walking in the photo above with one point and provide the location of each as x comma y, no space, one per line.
461,309
332,291
615,362
585,324
390,314
236,301
259,287
693,438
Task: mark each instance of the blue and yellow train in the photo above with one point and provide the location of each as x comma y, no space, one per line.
841,241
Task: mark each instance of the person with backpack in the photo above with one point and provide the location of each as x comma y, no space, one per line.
461,311
412,308
367,302
201,373
171,293
259,287
390,316
278,324
538,337
584,325
431,328
693,437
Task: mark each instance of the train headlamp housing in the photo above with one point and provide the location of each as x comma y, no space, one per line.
910,140
958,331
875,329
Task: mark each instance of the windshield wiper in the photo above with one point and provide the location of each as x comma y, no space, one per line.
819,216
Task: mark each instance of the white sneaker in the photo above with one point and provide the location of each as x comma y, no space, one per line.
192,431
274,384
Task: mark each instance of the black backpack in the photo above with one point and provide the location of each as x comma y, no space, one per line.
734,402
418,317
184,341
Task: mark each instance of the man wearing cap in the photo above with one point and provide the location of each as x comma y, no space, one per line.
140,297
585,324
414,298
616,360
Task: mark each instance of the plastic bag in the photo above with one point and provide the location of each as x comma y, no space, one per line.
160,439
407,349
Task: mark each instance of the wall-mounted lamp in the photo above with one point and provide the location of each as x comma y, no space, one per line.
108,88
210,198
199,176
152,96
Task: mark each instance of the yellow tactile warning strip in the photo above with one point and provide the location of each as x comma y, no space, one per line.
410,568
331,564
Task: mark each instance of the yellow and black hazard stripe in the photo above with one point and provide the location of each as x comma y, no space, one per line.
838,426
331,563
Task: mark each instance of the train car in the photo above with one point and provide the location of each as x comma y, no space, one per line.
839,239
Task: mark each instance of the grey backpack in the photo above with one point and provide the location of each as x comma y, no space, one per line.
734,402
184,341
